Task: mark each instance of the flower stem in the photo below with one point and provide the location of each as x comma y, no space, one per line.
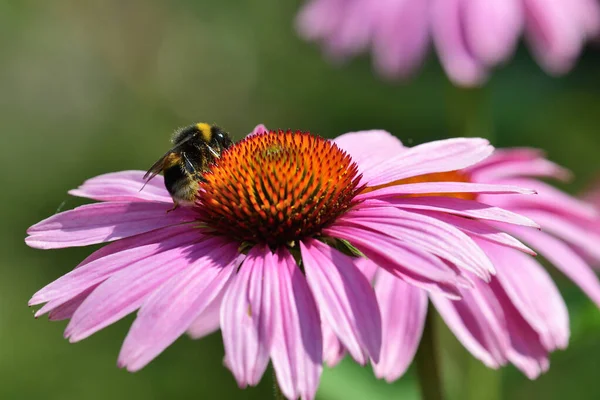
428,363
277,394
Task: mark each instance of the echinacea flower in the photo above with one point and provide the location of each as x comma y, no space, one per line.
519,317
268,252
471,36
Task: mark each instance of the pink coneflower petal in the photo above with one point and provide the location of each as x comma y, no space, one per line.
345,297
333,350
442,187
247,316
481,230
429,234
550,199
123,186
460,207
95,269
60,309
539,167
103,222
125,291
209,320
168,312
533,294
403,309
382,144
569,231
563,258
526,350
439,156
477,321
402,259
297,352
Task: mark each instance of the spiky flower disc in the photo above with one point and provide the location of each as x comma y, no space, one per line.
278,187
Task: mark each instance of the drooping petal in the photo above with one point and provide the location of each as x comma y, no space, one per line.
455,206
430,188
297,352
247,316
427,233
345,297
209,320
168,312
333,349
113,258
532,293
401,259
60,309
124,186
126,290
563,258
103,222
403,310
478,323
526,350
439,156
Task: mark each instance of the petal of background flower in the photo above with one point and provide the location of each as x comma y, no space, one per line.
113,258
247,316
491,28
400,37
403,310
555,37
407,262
103,222
168,312
345,297
532,293
297,352
438,156
448,32
124,186
478,322
429,234
126,290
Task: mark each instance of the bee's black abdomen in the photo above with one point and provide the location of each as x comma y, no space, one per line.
174,177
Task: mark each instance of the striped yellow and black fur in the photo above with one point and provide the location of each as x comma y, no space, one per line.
195,148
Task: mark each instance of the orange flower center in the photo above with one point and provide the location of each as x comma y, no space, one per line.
277,187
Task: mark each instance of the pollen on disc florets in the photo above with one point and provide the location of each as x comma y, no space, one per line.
277,187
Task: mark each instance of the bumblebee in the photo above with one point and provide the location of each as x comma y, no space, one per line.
194,149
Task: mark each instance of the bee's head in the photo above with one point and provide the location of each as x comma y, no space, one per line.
219,138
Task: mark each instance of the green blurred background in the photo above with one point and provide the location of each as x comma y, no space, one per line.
93,87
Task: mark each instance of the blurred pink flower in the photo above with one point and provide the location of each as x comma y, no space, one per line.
231,261
471,36
520,316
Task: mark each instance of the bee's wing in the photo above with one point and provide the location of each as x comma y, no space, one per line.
158,166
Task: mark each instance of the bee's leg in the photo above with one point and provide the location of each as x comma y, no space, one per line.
175,205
